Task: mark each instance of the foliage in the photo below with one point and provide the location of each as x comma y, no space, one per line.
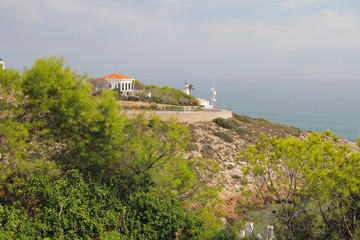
222,123
237,177
139,85
227,233
224,136
192,147
313,181
242,131
154,107
264,120
68,208
72,166
167,95
191,88
154,218
173,108
241,118
61,123
226,123
73,209
99,84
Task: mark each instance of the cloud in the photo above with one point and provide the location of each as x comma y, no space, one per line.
123,15
28,11
328,30
158,37
332,29
168,1
293,4
215,3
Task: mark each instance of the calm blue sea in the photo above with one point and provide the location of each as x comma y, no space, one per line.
307,104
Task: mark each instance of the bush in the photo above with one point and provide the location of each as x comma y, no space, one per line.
241,118
153,106
167,95
132,98
242,131
226,123
174,108
264,120
68,209
227,233
73,209
224,136
207,149
152,217
192,147
230,166
237,177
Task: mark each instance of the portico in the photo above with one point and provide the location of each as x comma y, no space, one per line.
123,83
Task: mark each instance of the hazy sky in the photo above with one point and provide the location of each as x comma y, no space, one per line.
187,39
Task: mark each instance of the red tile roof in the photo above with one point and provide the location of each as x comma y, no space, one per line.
117,76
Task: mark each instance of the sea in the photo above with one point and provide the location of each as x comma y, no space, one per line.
307,104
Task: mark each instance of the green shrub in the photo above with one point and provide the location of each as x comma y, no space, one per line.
191,147
174,108
224,136
153,106
207,149
151,217
70,208
241,118
132,98
226,123
167,95
230,166
264,120
227,233
237,177
242,131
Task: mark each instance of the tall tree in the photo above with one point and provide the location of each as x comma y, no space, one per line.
314,181
191,88
50,116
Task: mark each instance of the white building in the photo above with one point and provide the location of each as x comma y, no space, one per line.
203,102
122,82
2,64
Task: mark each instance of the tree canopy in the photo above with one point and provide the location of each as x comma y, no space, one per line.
312,185
167,95
72,166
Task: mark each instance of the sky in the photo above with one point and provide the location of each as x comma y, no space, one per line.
187,39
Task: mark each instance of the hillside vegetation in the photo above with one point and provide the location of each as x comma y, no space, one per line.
164,95
306,183
73,167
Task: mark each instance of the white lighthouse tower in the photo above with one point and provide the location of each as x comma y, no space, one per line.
2,64
186,88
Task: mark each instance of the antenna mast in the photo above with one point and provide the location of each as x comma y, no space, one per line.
213,96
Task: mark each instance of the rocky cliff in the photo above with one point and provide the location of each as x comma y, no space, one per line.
218,143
